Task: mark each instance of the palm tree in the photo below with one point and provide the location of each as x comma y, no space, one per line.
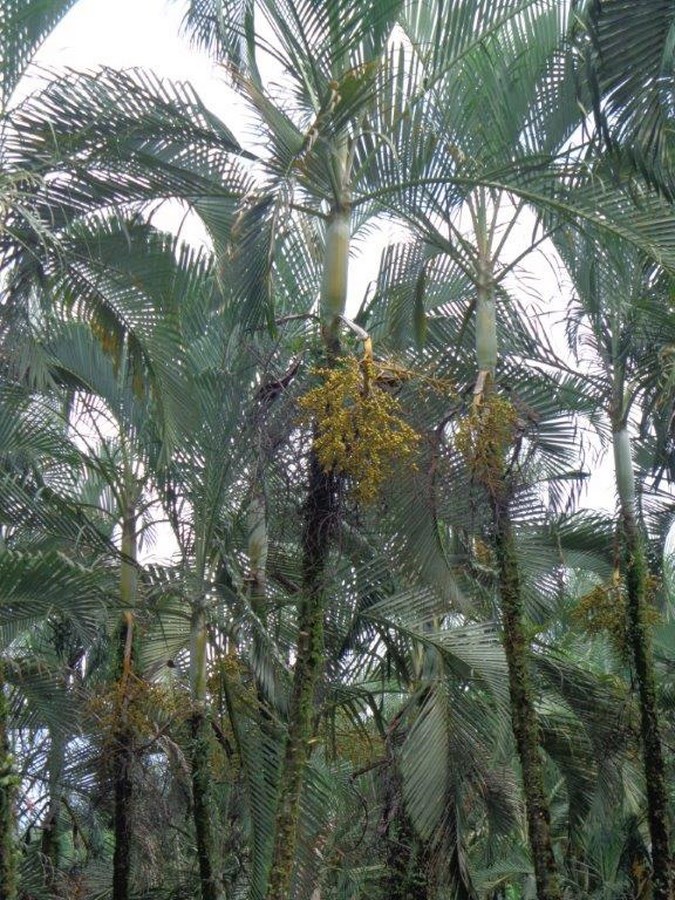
38,582
333,52
435,187
628,328
484,139
401,122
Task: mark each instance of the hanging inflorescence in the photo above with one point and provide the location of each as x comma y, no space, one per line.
359,431
602,610
483,438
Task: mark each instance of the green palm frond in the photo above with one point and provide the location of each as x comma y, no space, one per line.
66,130
37,584
25,25
628,51
225,29
41,698
517,56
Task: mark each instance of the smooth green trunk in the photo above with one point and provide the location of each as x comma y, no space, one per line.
198,645
200,752
487,347
639,643
623,466
9,854
321,516
334,281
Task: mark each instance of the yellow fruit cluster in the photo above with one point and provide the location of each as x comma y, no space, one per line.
603,611
142,702
359,432
483,438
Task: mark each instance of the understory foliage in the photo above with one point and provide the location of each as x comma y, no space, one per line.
283,619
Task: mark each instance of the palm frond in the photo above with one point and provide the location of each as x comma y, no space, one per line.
25,25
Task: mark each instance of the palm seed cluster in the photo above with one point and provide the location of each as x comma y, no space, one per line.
602,610
359,431
483,438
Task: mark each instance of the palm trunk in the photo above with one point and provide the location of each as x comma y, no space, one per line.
51,830
334,279
123,735
258,546
639,643
405,868
209,878
257,554
8,847
319,526
516,645
321,514
523,713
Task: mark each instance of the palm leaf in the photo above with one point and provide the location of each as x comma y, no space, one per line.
25,25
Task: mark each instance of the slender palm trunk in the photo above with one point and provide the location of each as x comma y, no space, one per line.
257,554
321,514
405,864
516,645
321,511
639,642
8,846
258,545
123,734
200,738
523,713
51,829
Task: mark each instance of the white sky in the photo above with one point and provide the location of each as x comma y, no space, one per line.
123,33
127,33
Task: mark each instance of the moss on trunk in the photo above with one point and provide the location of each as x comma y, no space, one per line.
523,714
200,751
8,846
320,518
639,642
321,515
123,737
123,743
51,828
123,793
405,859
640,650
486,441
